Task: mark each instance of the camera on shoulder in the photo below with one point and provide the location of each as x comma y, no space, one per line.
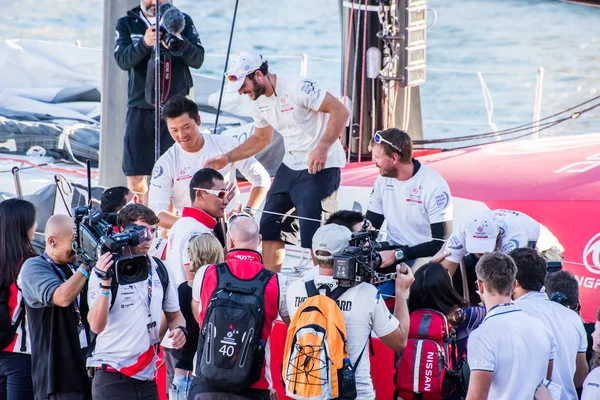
358,262
94,236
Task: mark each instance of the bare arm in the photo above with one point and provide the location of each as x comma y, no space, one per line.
581,370
397,340
167,219
66,293
479,385
449,265
286,320
195,306
550,368
257,196
338,116
249,148
174,320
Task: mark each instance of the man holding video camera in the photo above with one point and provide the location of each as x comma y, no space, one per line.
135,42
363,309
126,318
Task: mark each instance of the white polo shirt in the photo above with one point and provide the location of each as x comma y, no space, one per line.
411,206
516,347
125,344
174,170
568,331
517,230
591,386
294,113
193,222
364,312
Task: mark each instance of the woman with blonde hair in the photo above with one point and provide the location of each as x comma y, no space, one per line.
204,249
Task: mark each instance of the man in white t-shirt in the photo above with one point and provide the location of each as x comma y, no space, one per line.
363,308
510,353
245,263
570,365
127,327
310,120
208,195
174,169
414,200
591,386
494,230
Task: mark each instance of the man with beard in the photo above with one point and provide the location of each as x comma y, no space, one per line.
414,200
135,40
52,289
311,121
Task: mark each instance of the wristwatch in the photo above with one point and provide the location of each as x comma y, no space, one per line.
399,255
185,332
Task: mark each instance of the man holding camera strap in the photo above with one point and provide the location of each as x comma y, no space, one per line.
123,360
363,307
135,41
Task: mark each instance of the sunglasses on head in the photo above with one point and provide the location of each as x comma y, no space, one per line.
380,139
221,194
235,78
234,216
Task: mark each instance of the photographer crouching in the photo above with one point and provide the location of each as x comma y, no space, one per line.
125,315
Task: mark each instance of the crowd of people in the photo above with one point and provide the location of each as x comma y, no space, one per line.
470,311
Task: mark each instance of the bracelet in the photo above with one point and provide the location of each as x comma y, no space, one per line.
84,272
104,286
105,293
183,329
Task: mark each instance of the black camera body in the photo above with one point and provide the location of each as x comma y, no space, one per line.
94,236
358,262
174,44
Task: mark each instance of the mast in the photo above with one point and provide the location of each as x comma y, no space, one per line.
396,29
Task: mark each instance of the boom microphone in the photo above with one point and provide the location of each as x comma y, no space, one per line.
172,19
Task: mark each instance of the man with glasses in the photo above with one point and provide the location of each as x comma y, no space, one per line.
414,200
310,120
124,357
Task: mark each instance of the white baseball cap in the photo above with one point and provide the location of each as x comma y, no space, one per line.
241,65
332,238
482,231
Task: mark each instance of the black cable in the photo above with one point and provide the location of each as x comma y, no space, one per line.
508,131
157,94
226,64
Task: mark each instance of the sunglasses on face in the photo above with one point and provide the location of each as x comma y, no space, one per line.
221,194
380,139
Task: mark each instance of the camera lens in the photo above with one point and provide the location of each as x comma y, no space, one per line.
131,269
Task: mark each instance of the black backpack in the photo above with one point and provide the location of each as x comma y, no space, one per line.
7,329
163,275
230,350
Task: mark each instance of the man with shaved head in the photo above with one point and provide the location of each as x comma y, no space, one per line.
243,264
52,288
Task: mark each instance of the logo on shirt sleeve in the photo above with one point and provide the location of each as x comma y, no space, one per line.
510,246
158,171
454,243
309,87
442,200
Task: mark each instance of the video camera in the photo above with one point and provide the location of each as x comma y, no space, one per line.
358,262
94,236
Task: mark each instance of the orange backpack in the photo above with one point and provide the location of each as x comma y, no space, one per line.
316,363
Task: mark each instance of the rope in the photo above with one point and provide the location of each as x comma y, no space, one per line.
355,70
516,129
362,83
348,52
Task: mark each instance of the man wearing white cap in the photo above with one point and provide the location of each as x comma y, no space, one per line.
363,308
310,120
495,230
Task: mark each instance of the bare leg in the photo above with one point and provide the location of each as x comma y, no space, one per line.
273,254
139,185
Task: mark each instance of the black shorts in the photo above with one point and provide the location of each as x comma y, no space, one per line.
138,144
200,390
313,196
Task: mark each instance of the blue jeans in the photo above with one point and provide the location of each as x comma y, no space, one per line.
180,387
16,368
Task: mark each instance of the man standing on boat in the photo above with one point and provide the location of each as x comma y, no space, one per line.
414,200
310,120
135,41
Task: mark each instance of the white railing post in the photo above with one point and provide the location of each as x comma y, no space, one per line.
537,107
304,65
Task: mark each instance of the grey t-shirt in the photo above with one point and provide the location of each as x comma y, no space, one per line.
38,281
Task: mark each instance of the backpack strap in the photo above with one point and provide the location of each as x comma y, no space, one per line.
337,293
362,352
311,288
163,275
